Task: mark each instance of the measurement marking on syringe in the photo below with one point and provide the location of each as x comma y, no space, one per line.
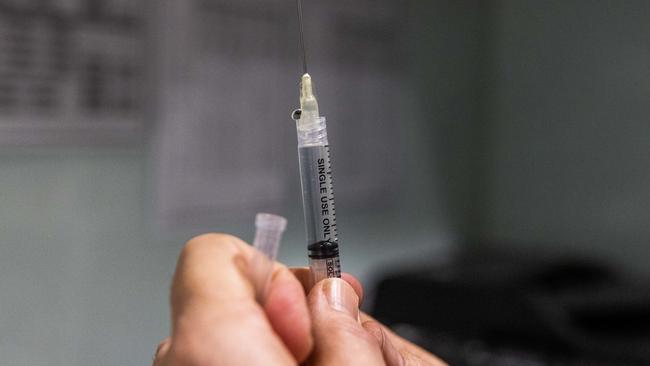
316,175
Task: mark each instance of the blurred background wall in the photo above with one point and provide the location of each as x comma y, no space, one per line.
521,125
567,150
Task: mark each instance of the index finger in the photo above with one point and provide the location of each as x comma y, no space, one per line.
214,312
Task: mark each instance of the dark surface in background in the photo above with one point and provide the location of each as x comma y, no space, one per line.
503,309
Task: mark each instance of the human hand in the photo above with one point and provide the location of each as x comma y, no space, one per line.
217,321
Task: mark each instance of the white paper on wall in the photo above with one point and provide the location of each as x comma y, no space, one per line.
71,72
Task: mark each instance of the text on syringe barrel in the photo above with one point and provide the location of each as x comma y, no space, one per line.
319,207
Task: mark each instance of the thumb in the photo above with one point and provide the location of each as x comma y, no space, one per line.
339,337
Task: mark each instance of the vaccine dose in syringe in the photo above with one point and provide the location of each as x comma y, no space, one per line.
320,215
317,187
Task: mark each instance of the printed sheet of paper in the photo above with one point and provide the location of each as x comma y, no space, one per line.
71,72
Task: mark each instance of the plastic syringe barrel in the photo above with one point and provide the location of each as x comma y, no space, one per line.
318,198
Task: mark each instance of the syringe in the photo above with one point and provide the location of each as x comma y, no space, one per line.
317,188
316,178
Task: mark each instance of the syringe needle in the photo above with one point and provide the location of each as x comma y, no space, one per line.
302,37
316,178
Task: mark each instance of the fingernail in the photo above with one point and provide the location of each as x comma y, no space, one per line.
341,297
161,346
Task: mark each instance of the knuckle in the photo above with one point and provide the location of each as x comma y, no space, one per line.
348,328
374,328
210,241
410,359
